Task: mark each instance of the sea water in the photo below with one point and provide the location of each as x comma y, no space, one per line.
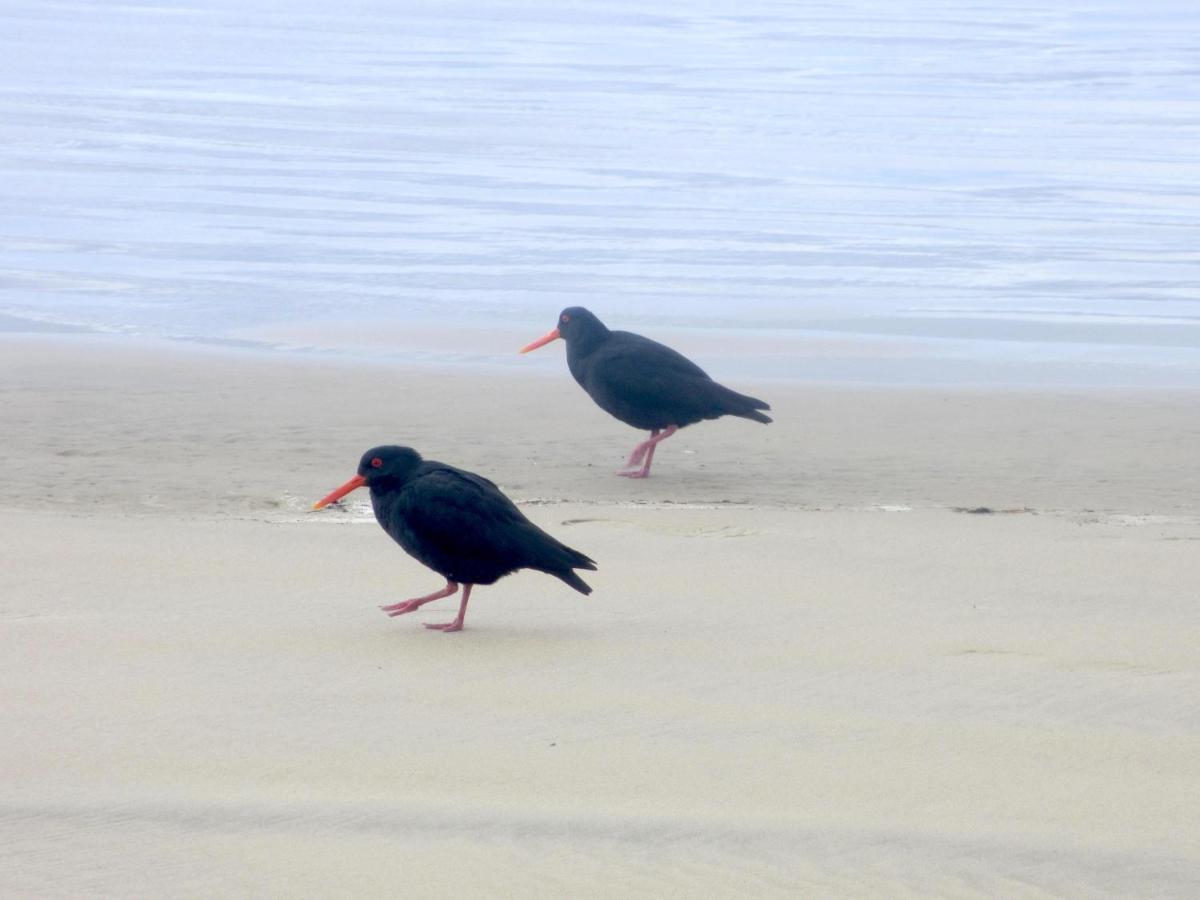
1002,192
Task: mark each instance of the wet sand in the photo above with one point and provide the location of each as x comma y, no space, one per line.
806,669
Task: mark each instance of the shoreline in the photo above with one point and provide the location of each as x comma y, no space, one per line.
850,358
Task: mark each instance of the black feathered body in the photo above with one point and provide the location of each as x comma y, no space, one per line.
460,525
650,386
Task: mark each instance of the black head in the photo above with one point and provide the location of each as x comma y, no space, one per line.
388,461
578,327
576,323
380,468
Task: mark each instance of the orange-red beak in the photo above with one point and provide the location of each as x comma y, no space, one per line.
353,484
542,341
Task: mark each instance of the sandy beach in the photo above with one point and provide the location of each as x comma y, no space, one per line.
901,642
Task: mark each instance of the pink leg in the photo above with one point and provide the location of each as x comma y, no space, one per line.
407,606
635,458
646,449
457,624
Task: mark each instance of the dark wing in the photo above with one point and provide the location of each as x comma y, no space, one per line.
461,525
636,350
484,484
648,385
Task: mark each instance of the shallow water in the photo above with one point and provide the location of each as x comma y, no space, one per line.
996,193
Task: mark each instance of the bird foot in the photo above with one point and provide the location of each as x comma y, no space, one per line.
446,627
407,606
643,454
636,457
399,609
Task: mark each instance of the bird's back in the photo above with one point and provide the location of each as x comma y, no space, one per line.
462,526
649,385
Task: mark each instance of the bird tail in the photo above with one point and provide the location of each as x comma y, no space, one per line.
574,580
741,405
570,559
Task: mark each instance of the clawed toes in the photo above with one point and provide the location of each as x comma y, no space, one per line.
445,626
399,609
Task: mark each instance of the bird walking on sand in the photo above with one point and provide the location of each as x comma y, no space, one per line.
457,523
643,383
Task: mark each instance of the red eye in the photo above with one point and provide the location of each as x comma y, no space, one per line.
564,318
376,462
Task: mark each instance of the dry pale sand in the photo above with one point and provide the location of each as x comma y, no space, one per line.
802,672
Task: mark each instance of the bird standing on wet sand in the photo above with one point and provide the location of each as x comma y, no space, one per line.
643,383
457,523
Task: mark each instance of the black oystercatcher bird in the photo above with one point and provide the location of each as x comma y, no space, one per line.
643,383
456,523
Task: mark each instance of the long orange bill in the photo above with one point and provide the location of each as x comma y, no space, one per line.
542,341
353,484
